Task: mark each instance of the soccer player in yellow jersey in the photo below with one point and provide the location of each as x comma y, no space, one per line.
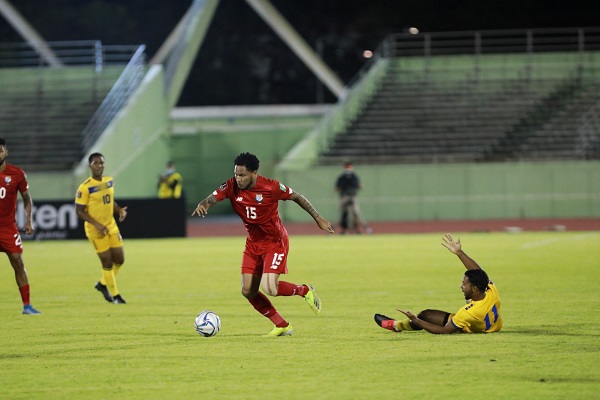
95,204
481,314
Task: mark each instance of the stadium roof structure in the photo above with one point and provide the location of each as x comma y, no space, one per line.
181,46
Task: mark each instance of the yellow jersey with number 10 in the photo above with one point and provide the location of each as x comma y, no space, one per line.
98,198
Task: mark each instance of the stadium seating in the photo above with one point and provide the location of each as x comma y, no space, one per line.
563,135
43,112
441,115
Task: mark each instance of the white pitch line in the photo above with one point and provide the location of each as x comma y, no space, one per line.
546,242
539,243
585,236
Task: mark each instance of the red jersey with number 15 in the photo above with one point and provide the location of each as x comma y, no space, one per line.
257,207
12,179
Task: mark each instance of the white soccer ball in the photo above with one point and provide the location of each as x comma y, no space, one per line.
207,323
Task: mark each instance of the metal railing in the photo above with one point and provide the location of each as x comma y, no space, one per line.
68,53
129,80
492,42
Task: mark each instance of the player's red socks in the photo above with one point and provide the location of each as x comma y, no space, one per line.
25,295
262,304
291,289
389,324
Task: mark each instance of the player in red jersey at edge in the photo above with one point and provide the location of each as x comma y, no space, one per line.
255,199
13,180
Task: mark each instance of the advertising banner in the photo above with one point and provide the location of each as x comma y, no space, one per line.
146,218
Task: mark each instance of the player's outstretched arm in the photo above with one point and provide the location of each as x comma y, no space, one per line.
324,224
455,247
202,208
305,204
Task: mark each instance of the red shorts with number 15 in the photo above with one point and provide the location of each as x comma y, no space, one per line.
10,240
266,256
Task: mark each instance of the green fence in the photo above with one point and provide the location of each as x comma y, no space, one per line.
456,191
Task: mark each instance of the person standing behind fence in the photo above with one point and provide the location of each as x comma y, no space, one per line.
13,180
347,185
170,183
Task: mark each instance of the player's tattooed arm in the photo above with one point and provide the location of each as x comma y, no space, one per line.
204,205
305,204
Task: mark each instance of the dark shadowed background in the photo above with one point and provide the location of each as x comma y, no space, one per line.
242,61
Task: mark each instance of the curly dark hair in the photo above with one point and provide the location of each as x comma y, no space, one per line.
478,278
248,160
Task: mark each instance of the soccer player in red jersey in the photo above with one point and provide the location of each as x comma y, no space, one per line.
14,180
255,200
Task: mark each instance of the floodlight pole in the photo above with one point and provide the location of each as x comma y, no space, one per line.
298,45
29,34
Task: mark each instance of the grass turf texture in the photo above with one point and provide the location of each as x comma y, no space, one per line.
82,347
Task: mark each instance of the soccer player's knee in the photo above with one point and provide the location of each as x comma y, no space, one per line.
247,293
426,315
118,259
270,290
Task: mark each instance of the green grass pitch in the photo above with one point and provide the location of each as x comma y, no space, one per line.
82,347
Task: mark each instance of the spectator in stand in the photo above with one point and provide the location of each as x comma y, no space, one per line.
170,183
